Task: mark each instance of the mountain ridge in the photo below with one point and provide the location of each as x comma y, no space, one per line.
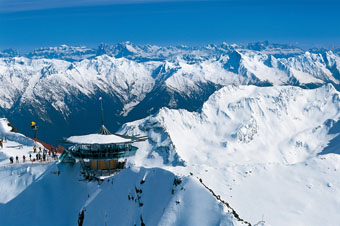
138,80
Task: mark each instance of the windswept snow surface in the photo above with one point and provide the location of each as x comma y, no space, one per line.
256,147
135,195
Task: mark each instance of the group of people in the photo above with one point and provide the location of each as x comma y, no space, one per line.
42,156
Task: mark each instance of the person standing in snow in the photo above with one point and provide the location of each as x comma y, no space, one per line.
30,157
16,159
11,159
1,144
34,149
23,158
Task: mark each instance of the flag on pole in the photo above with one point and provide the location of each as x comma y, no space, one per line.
100,97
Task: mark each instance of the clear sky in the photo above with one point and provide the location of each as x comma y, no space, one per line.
28,24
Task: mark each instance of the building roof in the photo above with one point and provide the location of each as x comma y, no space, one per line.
98,139
103,136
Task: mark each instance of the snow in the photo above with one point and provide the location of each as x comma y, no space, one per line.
56,192
97,139
257,147
52,80
122,200
237,121
6,134
15,144
291,194
189,77
131,71
15,178
254,62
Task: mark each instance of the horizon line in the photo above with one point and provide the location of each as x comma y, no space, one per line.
303,46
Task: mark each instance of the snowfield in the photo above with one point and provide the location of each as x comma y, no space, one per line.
135,195
259,148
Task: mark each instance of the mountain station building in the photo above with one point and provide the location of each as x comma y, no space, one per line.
101,154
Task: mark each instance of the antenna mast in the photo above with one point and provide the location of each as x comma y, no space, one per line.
101,108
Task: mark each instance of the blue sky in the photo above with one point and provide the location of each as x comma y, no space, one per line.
28,24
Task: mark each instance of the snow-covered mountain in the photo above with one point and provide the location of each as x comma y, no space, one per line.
63,52
52,193
55,86
235,132
267,151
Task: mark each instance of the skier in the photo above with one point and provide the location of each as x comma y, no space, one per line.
30,157
16,159
23,158
34,149
1,144
11,159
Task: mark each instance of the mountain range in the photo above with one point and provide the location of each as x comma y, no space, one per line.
59,87
237,134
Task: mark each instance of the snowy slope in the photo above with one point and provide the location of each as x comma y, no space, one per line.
257,147
15,178
7,134
129,198
277,124
54,80
56,193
